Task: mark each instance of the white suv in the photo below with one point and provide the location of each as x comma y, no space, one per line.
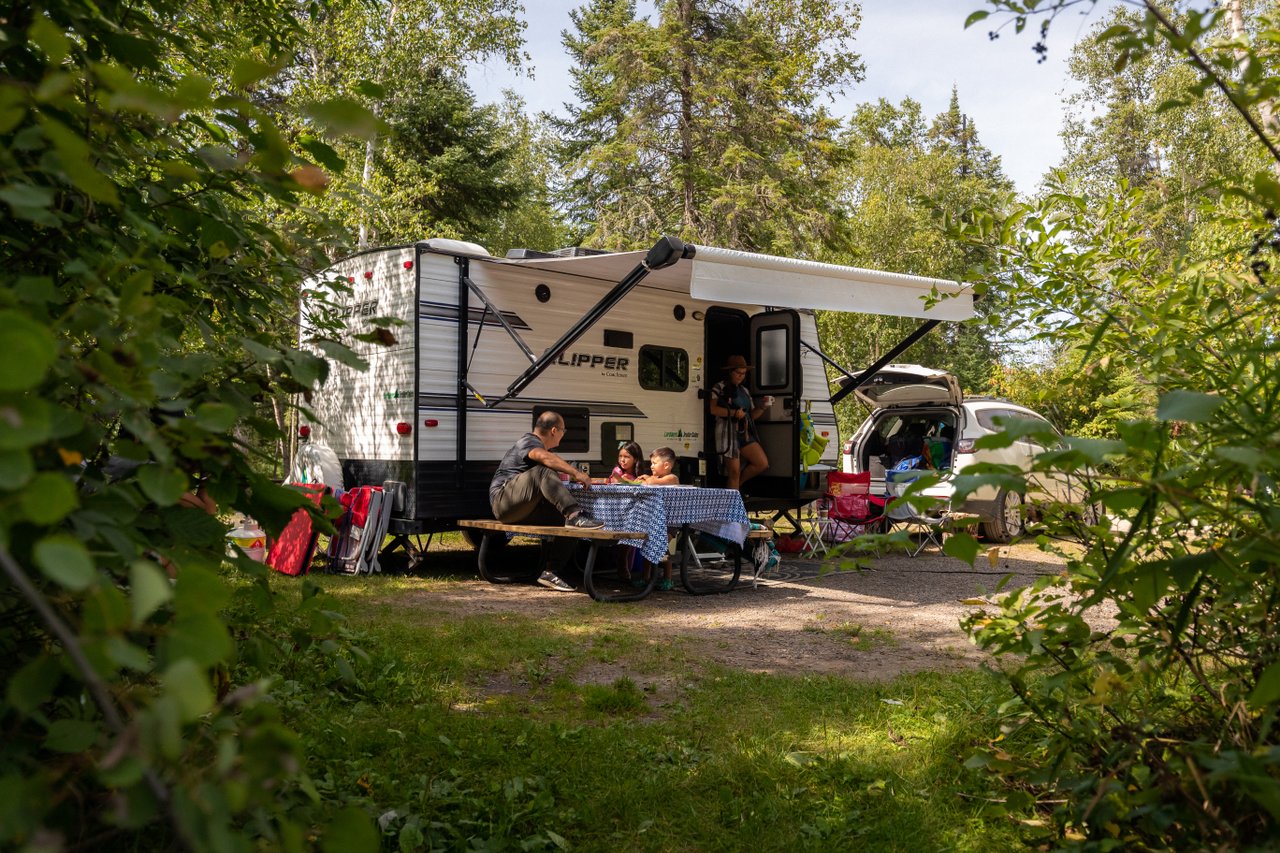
920,412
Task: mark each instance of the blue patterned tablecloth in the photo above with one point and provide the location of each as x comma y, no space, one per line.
659,509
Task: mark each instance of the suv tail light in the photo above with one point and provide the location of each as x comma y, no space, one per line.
964,445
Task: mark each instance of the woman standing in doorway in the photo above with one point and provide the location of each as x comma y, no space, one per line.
737,442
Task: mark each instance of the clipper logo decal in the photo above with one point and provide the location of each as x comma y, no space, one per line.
608,365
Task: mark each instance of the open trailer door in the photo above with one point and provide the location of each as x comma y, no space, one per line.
775,352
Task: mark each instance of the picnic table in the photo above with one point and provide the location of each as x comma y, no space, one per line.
660,511
644,517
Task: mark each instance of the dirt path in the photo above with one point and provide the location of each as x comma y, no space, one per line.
901,615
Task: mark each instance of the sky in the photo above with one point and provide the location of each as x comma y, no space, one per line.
911,48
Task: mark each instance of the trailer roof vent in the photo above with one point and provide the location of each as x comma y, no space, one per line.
579,252
527,255
456,247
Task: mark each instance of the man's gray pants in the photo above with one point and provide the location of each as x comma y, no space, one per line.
538,496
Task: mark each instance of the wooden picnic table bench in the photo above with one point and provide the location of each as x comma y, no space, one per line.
595,538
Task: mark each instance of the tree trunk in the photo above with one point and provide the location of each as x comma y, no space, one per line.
1266,107
371,147
688,218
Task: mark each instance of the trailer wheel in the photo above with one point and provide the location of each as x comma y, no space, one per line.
474,537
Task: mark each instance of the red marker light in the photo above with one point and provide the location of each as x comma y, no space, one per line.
304,431
825,434
430,422
408,265
368,274
403,428
351,279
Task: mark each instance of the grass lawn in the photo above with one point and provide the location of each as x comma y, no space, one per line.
499,731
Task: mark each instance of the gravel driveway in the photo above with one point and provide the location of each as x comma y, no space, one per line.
899,615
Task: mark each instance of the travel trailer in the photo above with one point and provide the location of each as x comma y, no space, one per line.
625,345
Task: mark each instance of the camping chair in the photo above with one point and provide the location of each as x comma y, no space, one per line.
848,509
927,520
354,550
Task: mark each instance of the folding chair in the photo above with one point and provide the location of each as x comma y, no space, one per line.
928,521
848,509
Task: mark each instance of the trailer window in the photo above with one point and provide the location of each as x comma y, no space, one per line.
772,345
663,369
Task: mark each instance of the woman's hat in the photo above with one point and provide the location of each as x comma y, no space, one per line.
737,362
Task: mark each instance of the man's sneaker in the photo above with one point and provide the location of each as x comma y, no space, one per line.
552,581
582,521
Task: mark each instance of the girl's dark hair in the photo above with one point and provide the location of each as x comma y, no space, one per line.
634,451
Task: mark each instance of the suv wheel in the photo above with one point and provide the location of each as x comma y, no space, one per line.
1008,521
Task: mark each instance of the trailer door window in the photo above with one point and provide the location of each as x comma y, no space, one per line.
664,369
771,346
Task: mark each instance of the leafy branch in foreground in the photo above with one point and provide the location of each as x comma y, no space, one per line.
141,332
1159,730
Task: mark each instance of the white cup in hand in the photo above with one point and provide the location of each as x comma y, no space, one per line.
767,401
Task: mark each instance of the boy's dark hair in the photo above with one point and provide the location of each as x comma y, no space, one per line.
665,453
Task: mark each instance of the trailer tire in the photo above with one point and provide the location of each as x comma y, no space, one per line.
474,537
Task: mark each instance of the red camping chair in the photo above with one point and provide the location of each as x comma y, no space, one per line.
290,554
848,508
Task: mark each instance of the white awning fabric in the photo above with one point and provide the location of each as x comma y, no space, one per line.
743,278
727,275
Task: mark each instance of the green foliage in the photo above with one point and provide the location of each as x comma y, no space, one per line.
143,324
432,163
1163,726
903,181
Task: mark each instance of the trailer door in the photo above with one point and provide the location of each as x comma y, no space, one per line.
775,352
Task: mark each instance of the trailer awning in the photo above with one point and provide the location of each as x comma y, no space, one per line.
720,275
743,278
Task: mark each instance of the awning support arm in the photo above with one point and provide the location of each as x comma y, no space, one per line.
861,379
489,306
664,253
822,355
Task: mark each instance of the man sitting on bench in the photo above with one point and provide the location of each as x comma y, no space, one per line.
526,489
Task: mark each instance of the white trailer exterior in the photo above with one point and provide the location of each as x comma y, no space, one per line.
626,346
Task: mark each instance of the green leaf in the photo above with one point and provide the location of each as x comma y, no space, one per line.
48,499
962,546
1247,457
49,37
125,654
148,589
165,486
215,417
1267,691
29,349
342,354
71,735
351,831
24,422
248,70
201,637
343,117
77,162
974,17
32,685
370,89
16,469
323,153
65,561
1190,406
186,683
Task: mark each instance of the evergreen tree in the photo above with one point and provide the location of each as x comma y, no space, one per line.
705,123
